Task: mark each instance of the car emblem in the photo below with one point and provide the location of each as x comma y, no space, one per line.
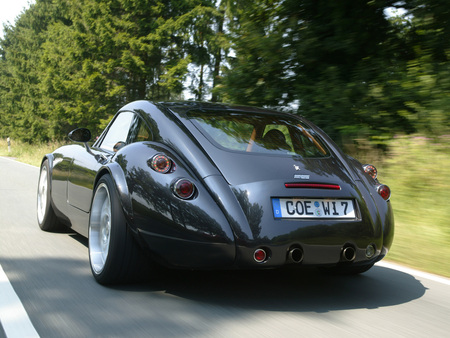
296,167
302,177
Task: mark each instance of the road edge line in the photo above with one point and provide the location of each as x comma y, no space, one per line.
414,272
13,316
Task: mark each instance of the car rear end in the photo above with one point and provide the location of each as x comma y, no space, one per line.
297,198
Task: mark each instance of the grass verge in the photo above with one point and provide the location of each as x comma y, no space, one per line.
417,173
28,153
415,169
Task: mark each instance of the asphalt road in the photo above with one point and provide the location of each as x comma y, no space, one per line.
50,275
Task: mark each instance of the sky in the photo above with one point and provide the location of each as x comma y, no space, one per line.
10,10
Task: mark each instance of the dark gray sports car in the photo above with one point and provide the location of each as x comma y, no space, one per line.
209,186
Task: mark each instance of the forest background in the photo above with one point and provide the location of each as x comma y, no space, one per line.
377,83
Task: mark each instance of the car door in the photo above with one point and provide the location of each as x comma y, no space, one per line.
85,165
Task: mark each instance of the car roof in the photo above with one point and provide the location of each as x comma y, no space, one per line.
182,107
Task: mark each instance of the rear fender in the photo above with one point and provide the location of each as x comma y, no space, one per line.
388,230
185,232
379,207
50,159
117,173
59,213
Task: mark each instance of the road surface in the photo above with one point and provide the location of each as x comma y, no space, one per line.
56,296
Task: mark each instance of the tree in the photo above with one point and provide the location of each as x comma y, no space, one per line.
20,96
255,74
343,64
427,75
91,57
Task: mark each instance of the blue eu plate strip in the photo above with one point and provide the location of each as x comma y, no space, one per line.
276,207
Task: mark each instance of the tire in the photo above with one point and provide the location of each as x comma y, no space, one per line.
114,255
46,217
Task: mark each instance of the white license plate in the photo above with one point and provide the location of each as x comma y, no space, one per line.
312,208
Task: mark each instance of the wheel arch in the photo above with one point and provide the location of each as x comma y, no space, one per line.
53,220
50,158
120,183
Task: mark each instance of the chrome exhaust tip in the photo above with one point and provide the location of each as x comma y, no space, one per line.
348,253
295,255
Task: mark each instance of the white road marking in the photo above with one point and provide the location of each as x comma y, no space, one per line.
16,323
13,317
414,272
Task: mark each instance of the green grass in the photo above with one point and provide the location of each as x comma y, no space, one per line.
27,153
417,172
415,168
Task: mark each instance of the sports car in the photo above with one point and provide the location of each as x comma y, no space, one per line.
213,186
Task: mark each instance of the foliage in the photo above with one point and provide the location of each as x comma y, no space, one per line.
415,168
28,153
416,172
345,65
70,63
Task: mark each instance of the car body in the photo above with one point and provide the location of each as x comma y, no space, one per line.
214,186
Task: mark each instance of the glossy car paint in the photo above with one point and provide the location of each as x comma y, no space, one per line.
231,213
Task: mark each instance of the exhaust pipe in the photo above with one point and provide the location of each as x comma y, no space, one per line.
295,255
348,253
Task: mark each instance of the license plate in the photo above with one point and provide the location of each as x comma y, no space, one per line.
312,208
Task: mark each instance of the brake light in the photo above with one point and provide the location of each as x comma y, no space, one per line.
384,191
370,170
313,186
160,163
184,189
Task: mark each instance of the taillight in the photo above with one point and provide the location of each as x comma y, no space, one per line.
384,191
370,170
260,255
161,163
184,188
313,186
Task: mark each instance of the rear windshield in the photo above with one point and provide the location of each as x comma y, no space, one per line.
258,133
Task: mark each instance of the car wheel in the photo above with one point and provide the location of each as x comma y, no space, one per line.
113,253
46,216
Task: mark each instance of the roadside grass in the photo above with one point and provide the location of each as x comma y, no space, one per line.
416,170
28,153
417,173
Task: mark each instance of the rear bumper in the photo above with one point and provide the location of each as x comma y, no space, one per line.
310,255
318,244
180,253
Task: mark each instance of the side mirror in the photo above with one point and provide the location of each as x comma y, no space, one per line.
80,135
84,135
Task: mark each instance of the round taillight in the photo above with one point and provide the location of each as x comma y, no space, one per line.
260,255
160,163
384,191
370,170
184,189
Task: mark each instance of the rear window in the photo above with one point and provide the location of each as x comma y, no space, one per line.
258,133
